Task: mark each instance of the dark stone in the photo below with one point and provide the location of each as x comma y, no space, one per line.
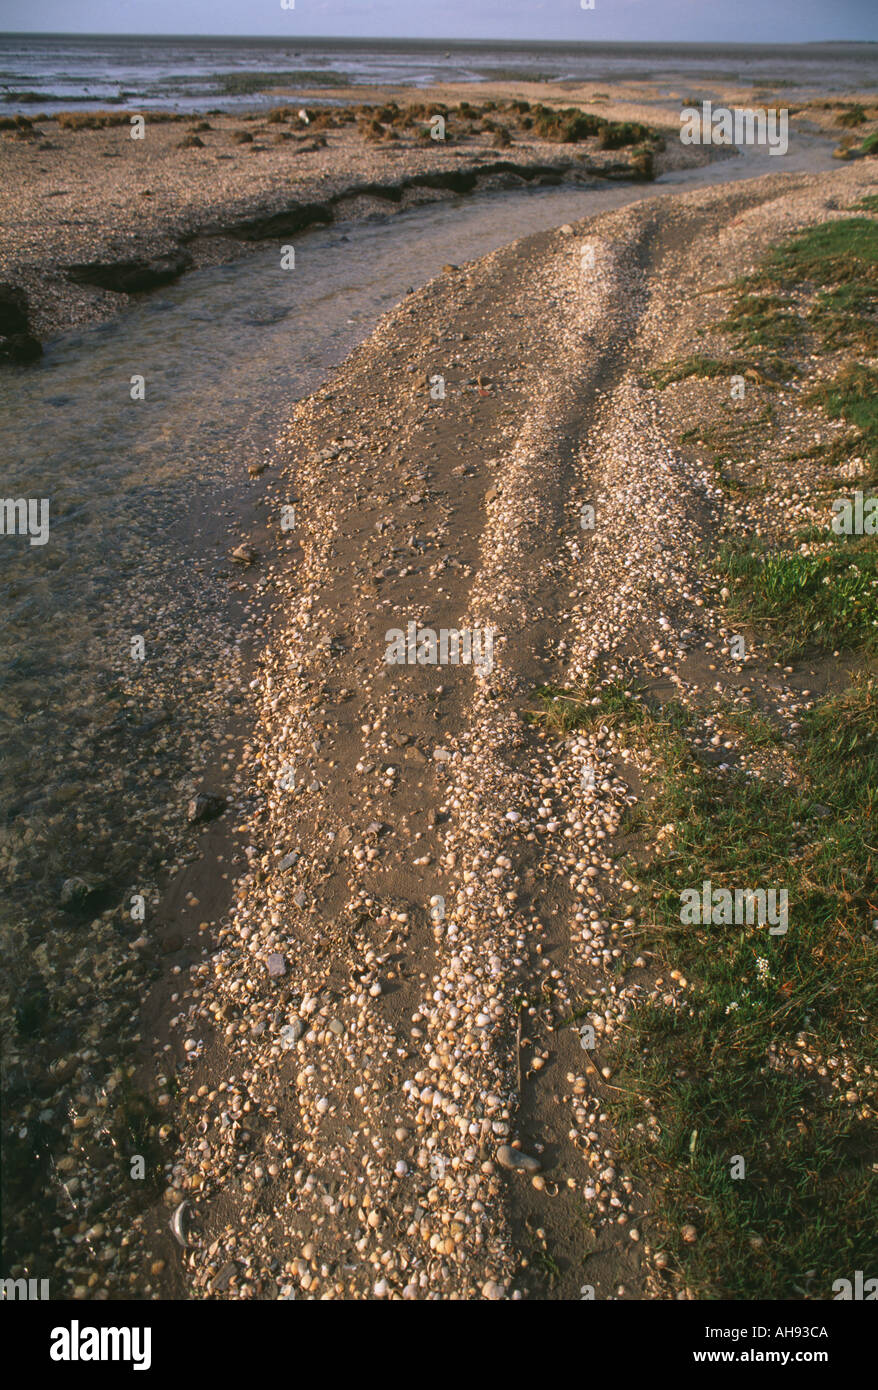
13,310
204,807
131,277
78,894
155,721
20,347
33,1008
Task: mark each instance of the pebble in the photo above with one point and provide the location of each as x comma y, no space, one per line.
511,1158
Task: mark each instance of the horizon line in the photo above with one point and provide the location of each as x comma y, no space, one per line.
424,38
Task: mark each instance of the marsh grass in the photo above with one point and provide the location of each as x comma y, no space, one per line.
852,395
561,711
804,603
718,1067
706,367
821,282
765,1053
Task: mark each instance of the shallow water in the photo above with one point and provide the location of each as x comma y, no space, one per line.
187,74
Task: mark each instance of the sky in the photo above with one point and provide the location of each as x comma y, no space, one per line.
693,21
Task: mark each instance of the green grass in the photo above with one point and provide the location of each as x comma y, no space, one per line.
797,814
560,711
697,365
616,135
843,317
835,261
758,731
570,125
732,440
844,251
761,320
101,120
852,395
825,601
804,1200
835,266
853,116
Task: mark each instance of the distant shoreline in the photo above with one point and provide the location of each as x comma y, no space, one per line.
354,40
183,72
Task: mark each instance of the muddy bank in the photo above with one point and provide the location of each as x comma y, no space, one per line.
96,215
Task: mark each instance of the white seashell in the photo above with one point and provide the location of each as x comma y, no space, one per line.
177,1224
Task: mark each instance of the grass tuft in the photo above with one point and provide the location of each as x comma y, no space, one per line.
727,1060
825,601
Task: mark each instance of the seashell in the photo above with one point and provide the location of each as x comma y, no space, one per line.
177,1224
